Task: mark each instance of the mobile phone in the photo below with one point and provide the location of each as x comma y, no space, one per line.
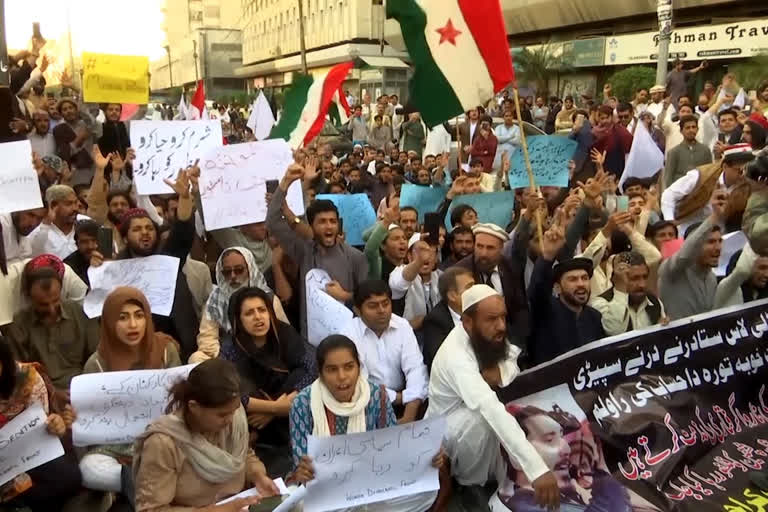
432,227
272,186
341,225
266,504
36,30
622,203
105,241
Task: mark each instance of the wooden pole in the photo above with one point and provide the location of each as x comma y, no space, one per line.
458,144
527,158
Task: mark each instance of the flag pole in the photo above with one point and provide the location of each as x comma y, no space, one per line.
458,143
527,158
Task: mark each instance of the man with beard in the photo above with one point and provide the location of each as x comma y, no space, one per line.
564,322
52,330
747,281
474,359
142,239
56,235
346,266
87,240
441,320
549,433
462,245
79,149
389,352
504,274
629,305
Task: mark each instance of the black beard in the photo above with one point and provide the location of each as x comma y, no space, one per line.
141,253
488,352
113,219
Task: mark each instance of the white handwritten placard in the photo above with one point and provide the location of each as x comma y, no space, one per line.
26,444
155,276
357,469
115,407
325,315
19,188
165,147
233,182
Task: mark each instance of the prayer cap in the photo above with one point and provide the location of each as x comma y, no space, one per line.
414,238
490,229
657,88
476,294
573,264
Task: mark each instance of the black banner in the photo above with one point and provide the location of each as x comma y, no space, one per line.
672,419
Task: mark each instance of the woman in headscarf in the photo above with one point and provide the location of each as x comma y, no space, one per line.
274,363
128,342
197,454
48,486
235,269
342,401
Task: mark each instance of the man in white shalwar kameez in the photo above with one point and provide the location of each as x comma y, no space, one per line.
460,389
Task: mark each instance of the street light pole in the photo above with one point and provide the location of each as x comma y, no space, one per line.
5,76
664,13
170,70
301,37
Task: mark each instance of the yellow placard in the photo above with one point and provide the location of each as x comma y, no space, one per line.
115,78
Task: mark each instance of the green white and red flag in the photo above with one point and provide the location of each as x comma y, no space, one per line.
459,51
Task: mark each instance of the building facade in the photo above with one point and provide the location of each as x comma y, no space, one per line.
203,40
605,36
335,31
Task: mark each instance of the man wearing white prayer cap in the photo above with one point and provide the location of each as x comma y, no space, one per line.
475,358
504,271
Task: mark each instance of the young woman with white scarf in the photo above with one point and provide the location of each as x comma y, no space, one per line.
341,401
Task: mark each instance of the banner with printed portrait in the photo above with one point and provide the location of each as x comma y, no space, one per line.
668,419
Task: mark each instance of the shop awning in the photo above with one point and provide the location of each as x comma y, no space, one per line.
384,62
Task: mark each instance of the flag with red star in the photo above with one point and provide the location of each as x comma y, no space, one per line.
459,51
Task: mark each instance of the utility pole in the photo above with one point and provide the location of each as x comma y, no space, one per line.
301,37
71,52
170,70
664,12
5,76
194,56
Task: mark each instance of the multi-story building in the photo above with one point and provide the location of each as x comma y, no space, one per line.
203,40
604,36
335,31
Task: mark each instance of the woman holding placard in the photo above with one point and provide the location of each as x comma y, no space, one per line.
274,363
48,486
342,401
128,342
198,454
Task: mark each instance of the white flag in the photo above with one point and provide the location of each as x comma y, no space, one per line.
183,110
645,158
261,120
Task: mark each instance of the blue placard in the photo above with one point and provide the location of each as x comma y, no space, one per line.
493,207
357,212
549,155
425,199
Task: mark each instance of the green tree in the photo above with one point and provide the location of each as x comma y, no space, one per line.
624,83
750,72
537,66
